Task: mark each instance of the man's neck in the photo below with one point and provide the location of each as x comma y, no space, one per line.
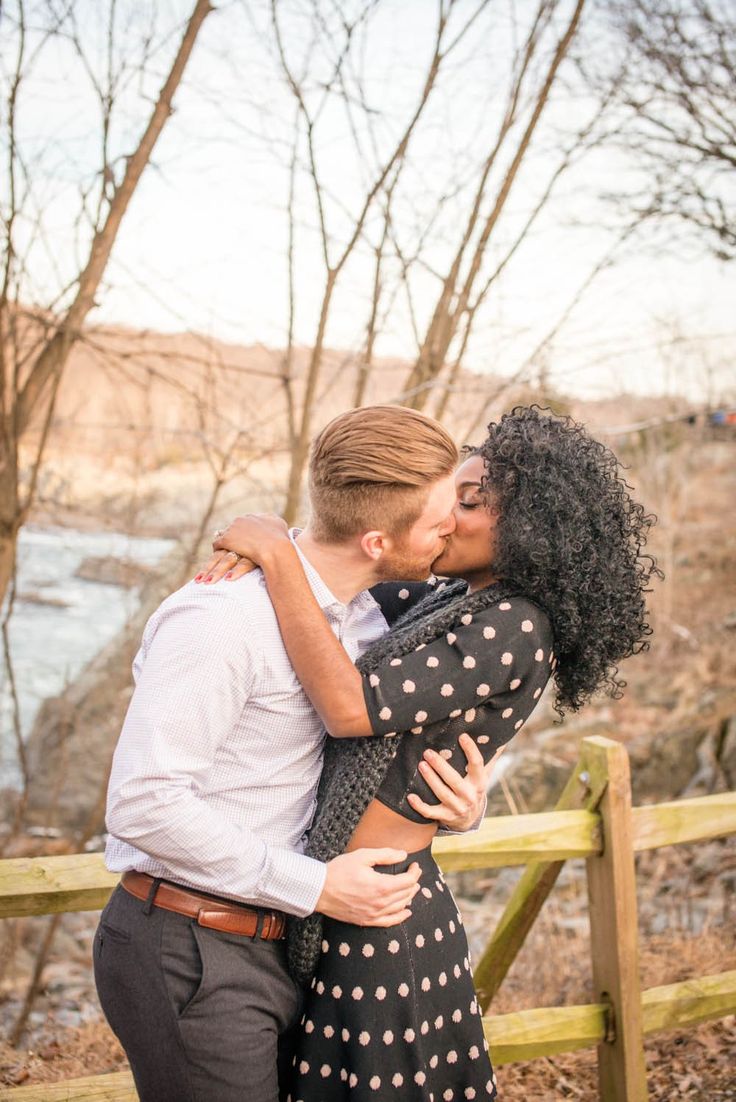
342,566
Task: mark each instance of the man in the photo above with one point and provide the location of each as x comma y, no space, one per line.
214,779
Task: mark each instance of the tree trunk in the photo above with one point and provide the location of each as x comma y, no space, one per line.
10,519
453,302
300,446
34,397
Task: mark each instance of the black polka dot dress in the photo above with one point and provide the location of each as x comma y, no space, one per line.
483,677
393,1013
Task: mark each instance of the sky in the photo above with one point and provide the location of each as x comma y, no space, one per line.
203,244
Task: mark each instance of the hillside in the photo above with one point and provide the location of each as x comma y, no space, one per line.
144,421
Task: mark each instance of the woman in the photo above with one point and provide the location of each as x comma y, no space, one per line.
551,577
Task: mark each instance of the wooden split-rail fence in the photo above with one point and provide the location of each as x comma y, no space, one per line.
593,820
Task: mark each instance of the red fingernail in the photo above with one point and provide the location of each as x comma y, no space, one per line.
228,576
209,577
198,577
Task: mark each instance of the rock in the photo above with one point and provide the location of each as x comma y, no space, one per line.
535,784
663,767
659,922
33,597
17,1075
539,764
112,571
44,832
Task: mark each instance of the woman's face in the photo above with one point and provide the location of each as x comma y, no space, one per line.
469,551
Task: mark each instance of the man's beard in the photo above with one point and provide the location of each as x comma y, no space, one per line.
402,565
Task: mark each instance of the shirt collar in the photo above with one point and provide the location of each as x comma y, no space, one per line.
324,596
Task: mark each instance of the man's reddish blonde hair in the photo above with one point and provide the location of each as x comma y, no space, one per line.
372,468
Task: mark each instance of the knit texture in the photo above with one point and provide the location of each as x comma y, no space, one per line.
355,768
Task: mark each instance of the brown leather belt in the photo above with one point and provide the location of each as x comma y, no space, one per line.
216,914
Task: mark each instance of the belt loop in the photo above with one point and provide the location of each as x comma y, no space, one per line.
260,917
148,905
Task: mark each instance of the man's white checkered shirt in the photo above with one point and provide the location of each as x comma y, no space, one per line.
214,778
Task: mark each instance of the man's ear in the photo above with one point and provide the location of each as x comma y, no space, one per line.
374,544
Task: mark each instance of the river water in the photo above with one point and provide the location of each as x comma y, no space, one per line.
50,642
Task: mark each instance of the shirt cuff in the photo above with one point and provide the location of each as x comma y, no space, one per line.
291,882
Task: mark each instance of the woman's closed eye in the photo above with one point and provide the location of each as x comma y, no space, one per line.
470,504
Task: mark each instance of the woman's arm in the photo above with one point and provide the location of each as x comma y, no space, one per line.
488,654
324,668
329,678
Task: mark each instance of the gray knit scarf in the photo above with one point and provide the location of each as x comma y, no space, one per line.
354,768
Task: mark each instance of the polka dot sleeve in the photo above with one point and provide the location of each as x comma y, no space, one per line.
503,648
396,598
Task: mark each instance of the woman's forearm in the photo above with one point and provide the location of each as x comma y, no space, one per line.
321,663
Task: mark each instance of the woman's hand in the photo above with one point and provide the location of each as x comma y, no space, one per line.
462,798
224,564
242,546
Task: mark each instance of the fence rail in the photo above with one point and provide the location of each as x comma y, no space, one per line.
80,881
594,820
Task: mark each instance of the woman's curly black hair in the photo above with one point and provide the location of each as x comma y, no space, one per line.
570,537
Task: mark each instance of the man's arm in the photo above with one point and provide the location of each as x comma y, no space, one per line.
192,686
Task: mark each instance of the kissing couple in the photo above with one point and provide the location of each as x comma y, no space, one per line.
308,713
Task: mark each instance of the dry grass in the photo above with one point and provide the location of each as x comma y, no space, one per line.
62,1054
696,1065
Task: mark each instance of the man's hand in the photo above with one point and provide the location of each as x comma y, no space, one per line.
355,892
462,797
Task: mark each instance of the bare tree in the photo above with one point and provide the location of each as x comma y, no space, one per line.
450,232
311,98
32,362
455,310
675,84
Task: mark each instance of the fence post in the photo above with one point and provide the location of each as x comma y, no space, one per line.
529,895
614,935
